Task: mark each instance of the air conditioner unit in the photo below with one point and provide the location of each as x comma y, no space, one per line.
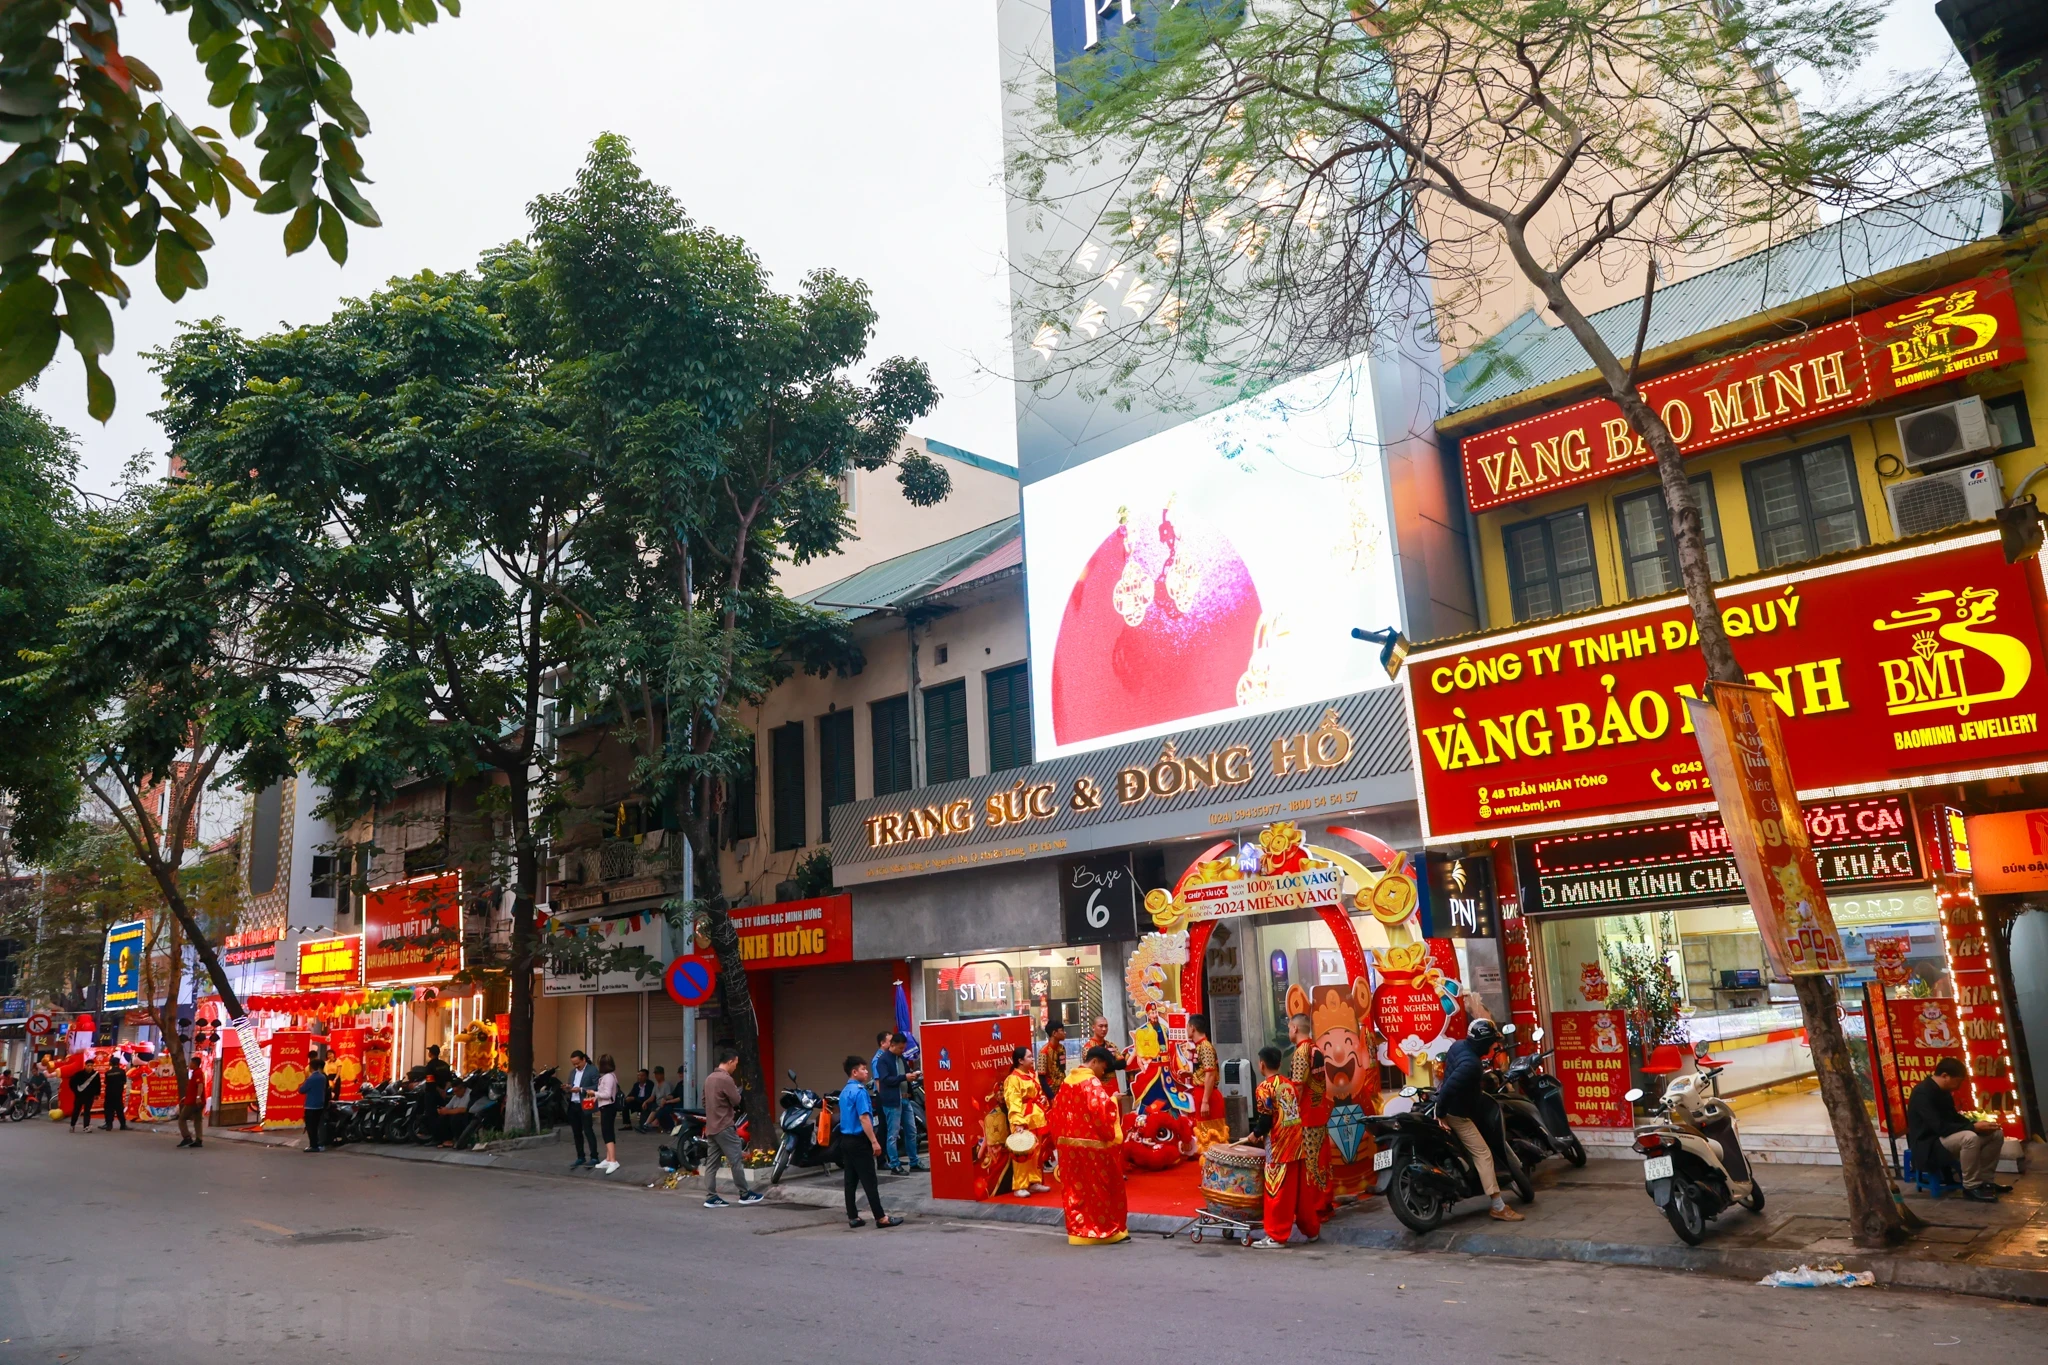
1950,497
1954,431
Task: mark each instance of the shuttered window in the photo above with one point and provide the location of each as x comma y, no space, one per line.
786,755
835,767
1009,717
891,723
945,732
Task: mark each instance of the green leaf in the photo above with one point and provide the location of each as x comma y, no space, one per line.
242,118
93,274
301,179
180,192
195,234
348,201
298,233
334,233
27,298
99,390
87,319
276,199
228,88
27,349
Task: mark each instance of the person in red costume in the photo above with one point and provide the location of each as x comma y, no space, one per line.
1292,1199
1089,1140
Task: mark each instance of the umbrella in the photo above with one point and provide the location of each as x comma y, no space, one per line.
903,1017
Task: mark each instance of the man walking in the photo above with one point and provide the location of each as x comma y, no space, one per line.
192,1105
117,1095
85,1089
582,1083
314,1088
858,1146
721,1128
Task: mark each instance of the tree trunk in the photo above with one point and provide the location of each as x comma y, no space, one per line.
174,900
735,1002
1875,1218
520,1112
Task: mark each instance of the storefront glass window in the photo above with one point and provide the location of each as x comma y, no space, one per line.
1061,983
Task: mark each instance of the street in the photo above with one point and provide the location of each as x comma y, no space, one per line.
121,1247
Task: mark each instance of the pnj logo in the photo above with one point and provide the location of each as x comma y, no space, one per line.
1095,43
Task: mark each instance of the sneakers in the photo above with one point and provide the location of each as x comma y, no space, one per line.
1022,1194
714,1202
579,1163
607,1166
1983,1194
1267,1244
856,1222
753,1197
1040,1188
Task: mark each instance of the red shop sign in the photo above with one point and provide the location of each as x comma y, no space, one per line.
1592,1066
795,933
1898,669
412,931
1972,325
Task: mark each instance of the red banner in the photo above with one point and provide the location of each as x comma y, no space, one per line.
1906,1043
795,933
345,1062
1972,325
412,931
237,1086
1592,1065
291,1055
1889,670
964,1066
1978,1009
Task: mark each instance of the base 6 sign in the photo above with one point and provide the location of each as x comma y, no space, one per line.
1895,669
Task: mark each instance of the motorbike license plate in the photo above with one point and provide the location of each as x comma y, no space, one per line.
1657,1168
1383,1158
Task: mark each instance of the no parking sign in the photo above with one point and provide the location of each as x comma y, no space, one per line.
691,979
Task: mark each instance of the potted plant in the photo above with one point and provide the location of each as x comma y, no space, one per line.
1647,993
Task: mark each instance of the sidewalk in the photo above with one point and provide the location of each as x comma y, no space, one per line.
1600,1214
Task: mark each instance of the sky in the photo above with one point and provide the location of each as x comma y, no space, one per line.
866,138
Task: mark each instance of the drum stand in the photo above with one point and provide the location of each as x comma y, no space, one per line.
1240,1230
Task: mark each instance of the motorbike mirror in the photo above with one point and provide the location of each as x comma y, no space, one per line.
1507,1029
1537,1033
1633,1095
791,1073
1408,1092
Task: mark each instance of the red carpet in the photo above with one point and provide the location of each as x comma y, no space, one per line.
1176,1192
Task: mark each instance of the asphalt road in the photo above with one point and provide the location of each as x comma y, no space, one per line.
122,1248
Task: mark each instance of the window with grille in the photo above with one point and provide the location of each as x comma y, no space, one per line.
786,759
1648,550
1804,504
945,732
1550,565
835,767
890,721
1009,717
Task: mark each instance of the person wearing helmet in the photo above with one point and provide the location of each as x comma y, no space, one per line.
1464,1106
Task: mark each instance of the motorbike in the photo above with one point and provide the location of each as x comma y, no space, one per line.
1532,1108
799,1124
1693,1164
377,1109
1427,1169
550,1098
692,1148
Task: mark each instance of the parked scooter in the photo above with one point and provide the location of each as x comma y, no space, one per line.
550,1098
1428,1169
1532,1108
799,1124
1693,1163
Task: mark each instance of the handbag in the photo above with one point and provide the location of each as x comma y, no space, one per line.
824,1138
589,1102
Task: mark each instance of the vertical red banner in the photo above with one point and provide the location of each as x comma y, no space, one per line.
964,1065
1592,1065
345,1058
1979,1010
237,1085
291,1055
1520,965
1884,1061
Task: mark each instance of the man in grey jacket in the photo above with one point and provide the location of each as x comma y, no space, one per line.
722,1108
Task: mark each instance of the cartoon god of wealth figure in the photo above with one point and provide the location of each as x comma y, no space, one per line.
1338,1020
1607,1035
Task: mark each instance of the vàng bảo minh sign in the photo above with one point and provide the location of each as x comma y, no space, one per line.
1845,365
1897,669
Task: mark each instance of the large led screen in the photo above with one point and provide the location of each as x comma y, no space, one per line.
1213,570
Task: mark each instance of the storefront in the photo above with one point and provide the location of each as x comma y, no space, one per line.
1910,686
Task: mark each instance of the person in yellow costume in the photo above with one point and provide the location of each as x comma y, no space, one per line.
1025,1103
1211,1127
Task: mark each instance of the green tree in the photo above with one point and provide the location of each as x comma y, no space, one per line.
718,415
105,175
41,520
1281,186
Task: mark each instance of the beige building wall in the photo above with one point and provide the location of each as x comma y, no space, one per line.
886,525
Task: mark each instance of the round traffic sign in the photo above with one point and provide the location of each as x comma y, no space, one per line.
38,1025
690,979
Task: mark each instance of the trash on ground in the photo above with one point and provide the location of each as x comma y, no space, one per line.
1823,1277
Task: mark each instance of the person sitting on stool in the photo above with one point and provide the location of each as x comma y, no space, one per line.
1940,1136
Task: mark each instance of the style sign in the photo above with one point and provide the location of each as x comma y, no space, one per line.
964,1066
2008,851
1592,1065
1099,899
330,962
412,930
1895,669
1835,368
122,970
1744,753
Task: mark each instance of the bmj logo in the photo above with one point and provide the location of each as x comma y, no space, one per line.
1096,43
